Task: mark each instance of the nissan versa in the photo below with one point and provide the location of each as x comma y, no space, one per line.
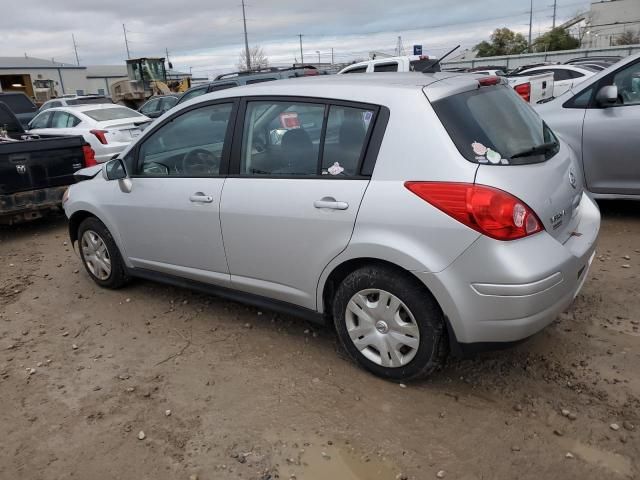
419,213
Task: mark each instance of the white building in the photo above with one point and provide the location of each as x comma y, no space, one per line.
609,19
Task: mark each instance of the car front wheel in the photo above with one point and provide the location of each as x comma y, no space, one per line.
389,324
100,255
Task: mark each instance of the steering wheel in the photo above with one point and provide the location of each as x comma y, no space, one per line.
200,162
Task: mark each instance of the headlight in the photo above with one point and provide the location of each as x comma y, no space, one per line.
65,196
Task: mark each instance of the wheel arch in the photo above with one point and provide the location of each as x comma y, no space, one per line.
343,269
74,223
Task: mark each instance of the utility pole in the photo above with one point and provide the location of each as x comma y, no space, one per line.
126,42
301,52
530,24
75,48
166,51
246,40
399,48
331,55
555,8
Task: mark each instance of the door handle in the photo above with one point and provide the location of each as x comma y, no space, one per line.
330,203
200,197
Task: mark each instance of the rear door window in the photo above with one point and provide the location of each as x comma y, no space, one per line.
281,138
347,132
493,125
356,70
64,120
386,67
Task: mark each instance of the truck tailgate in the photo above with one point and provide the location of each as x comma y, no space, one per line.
540,86
36,164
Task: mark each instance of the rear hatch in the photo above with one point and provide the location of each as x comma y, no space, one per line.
121,132
36,164
515,152
119,124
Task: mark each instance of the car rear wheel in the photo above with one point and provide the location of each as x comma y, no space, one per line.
100,255
389,324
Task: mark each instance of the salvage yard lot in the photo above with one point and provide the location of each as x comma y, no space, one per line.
222,390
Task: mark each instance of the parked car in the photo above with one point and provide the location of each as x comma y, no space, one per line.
411,63
533,88
21,106
609,59
599,118
414,212
564,76
34,172
156,106
236,79
108,128
74,100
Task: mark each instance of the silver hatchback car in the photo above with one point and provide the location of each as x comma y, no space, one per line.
418,213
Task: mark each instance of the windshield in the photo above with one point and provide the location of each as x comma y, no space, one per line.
117,113
492,125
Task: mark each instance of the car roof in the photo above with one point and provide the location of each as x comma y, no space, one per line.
365,88
81,108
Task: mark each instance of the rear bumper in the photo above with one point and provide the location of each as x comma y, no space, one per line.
21,206
508,291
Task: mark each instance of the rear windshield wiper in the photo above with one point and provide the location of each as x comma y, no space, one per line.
536,150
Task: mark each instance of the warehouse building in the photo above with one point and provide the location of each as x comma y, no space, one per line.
607,20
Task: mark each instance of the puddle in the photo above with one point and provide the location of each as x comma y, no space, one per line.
318,460
602,458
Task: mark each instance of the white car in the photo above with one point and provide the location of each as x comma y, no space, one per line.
69,100
564,76
411,63
108,128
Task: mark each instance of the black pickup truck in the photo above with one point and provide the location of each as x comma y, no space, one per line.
35,172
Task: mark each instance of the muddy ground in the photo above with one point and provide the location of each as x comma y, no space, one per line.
255,395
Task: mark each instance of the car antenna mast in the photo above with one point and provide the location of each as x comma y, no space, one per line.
431,65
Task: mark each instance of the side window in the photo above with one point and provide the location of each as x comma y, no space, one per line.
168,103
573,74
386,67
190,145
347,131
357,70
581,100
41,121
559,75
193,93
55,104
151,106
260,80
101,91
222,86
64,120
281,138
628,82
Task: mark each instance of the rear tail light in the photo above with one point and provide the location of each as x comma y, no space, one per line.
488,81
89,156
289,120
100,135
490,211
524,90
310,72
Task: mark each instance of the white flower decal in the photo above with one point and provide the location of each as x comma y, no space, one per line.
479,149
335,169
493,156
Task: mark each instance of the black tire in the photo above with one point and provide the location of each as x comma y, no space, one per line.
432,349
118,276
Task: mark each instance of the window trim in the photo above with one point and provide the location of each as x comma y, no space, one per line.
226,149
368,156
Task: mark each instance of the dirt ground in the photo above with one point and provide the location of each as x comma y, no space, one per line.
256,395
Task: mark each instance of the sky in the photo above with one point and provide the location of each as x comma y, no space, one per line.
207,35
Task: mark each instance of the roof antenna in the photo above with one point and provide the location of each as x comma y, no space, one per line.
428,68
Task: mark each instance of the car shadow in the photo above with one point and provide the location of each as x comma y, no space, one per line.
620,209
40,226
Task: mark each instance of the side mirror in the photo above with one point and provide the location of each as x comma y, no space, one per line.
115,170
607,96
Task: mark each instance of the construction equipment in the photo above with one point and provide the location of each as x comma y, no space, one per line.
146,77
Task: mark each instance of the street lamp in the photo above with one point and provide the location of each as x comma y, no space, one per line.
318,52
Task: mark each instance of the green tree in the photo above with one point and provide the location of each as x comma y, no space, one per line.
628,38
556,39
503,42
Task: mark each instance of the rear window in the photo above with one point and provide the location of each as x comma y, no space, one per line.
105,114
18,103
356,70
420,65
89,101
493,125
